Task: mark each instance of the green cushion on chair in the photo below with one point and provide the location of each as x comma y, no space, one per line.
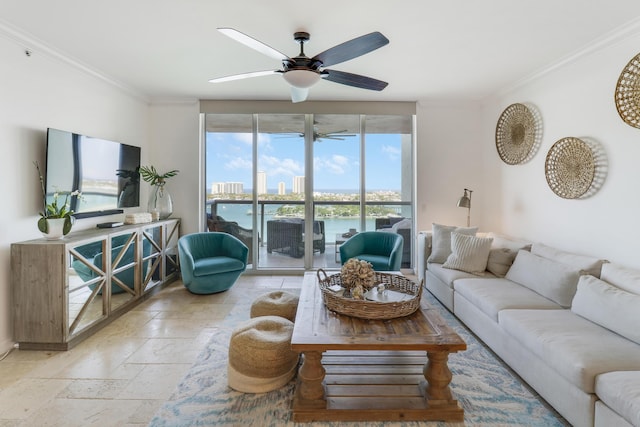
221,264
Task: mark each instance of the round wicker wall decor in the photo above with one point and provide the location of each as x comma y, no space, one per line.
627,93
570,168
515,134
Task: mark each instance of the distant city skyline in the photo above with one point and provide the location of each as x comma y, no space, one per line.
280,160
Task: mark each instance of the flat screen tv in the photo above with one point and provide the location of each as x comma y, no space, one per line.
106,173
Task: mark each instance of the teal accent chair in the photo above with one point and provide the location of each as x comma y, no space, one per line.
383,250
211,262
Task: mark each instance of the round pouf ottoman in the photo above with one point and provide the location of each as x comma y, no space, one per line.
260,355
276,303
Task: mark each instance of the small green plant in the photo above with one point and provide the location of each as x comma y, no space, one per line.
150,174
54,209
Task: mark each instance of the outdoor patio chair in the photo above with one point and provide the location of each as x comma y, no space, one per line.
287,236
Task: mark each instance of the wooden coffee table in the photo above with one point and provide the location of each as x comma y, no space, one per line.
372,370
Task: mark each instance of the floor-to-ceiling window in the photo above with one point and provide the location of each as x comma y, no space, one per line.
293,186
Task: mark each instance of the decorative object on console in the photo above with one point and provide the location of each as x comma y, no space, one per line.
159,199
137,218
626,95
465,202
518,133
570,168
55,220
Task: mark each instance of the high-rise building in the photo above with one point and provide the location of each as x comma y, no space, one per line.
217,188
298,184
233,187
262,182
281,188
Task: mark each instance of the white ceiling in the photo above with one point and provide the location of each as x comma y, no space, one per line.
439,49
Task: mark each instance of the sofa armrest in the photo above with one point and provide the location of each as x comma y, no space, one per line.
423,252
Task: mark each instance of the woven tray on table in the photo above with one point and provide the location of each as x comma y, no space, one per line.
366,309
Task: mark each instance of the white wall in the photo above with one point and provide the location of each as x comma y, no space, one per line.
35,93
576,99
175,135
449,159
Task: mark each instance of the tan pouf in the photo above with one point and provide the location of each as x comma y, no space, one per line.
260,355
276,303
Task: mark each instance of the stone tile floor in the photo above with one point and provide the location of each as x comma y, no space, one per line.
121,375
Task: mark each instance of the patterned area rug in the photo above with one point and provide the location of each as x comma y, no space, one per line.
489,392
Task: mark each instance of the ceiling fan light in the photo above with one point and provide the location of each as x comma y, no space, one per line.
301,78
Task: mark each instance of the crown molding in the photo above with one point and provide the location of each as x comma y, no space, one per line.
606,41
32,44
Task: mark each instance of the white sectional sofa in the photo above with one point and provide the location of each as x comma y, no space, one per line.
568,324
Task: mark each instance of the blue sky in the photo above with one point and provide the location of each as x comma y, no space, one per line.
336,163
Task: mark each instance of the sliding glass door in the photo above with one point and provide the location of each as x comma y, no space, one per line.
294,187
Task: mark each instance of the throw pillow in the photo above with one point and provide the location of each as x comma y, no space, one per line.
468,253
621,277
500,260
503,251
553,280
608,306
590,265
441,241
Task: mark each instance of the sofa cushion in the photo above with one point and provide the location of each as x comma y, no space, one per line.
469,253
508,242
441,241
448,276
550,279
608,306
621,392
500,260
590,265
576,348
213,265
493,295
621,277
503,251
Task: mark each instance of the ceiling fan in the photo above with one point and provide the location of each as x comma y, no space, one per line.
338,135
302,72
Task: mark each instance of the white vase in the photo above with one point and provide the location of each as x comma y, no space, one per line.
55,229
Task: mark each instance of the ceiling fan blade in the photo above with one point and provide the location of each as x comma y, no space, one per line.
253,43
298,94
244,76
352,49
354,80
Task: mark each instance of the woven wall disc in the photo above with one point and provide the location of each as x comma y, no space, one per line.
570,168
627,94
515,134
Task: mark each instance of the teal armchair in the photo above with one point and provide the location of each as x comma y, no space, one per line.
382,250
211,262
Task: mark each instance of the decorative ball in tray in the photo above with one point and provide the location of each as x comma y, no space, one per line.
359,291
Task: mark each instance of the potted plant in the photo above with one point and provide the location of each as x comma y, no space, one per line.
160,203
56,219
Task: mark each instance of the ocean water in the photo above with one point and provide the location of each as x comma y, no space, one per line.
242,214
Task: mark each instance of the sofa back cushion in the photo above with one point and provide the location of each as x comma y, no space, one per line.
441,241
551,279
621,277
590,265
469,253
608,306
